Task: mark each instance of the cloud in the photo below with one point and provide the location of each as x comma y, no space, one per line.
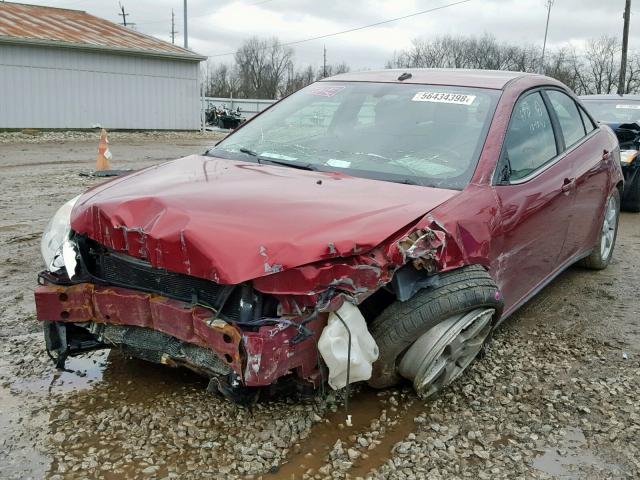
221,27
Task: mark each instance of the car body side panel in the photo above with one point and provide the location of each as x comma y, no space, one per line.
534,218
593,173
472,221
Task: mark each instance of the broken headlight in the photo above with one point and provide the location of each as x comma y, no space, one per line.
55,245
627,156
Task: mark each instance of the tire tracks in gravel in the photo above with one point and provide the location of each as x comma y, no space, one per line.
371,411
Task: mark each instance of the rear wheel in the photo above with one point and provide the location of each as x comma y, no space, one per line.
433,337
603,251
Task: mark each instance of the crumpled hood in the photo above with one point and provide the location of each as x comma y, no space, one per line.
231,221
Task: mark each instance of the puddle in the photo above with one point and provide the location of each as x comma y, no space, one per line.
365,407
567,460
396,433
79,374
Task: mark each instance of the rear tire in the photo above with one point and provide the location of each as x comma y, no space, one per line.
402,323
603,250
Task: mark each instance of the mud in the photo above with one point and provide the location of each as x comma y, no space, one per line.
555,397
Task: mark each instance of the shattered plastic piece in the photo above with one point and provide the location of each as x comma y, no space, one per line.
69,258
333,346
625,356
348,422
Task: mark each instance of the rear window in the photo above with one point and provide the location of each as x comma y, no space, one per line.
420,134
568,116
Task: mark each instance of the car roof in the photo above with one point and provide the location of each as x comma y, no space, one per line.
612,96
493,79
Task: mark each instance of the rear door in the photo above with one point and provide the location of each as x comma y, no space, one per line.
535,194
585,149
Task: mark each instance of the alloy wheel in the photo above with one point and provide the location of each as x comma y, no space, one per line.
609,226
439,356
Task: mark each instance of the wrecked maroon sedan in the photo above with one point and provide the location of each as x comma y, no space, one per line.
410,212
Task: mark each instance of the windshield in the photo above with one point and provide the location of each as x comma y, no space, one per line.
419,134
614,111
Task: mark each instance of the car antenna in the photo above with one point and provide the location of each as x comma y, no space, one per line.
405,76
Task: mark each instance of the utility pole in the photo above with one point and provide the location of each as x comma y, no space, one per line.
324,62
123,15
546,30
625,46
186,34
173,27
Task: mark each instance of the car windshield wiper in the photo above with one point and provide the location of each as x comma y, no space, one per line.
250,152
260,160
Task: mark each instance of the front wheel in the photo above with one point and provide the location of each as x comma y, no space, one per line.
433,337
603,251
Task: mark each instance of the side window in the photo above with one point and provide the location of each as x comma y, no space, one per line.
568,116
588,124
529,143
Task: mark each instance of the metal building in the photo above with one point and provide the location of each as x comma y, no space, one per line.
63,68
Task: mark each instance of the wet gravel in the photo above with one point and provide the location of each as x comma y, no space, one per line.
556,395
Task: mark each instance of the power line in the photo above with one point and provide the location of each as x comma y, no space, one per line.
423,12
194,17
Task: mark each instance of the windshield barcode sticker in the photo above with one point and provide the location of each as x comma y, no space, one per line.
630,107
443,97
326,90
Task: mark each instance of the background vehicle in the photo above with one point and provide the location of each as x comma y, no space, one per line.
622,114
435,201
223,117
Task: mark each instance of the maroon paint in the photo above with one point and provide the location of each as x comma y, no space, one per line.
230,221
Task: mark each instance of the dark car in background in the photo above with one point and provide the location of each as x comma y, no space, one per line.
622,114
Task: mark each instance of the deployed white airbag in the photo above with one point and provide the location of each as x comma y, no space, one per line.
333,346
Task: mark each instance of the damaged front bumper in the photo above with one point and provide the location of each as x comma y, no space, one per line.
85,316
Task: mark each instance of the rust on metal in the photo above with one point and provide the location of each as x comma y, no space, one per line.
76,27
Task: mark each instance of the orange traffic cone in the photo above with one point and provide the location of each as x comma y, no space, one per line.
104,154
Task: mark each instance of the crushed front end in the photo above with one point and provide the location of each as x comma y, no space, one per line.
234,335
256,336
185,278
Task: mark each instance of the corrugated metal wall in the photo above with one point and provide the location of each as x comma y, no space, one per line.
43,87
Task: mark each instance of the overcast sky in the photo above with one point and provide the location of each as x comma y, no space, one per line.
220,26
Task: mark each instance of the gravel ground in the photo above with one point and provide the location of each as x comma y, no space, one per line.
30,136
556,396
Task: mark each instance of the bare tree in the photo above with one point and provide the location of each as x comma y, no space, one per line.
263,65
559,64
602,65
594,69
222,80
